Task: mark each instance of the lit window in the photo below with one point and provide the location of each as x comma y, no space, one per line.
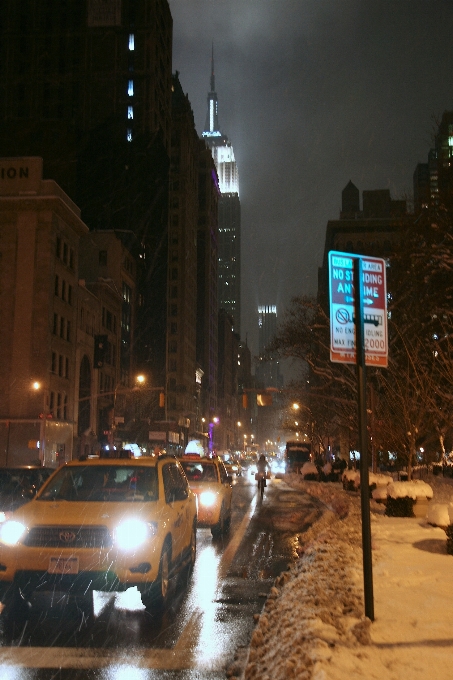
131,42
130,88
130,112
129,135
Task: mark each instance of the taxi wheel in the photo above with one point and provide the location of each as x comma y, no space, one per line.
15,613
85,606
156,597
222,525
193,548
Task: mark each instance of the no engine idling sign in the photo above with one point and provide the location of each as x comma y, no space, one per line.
342,308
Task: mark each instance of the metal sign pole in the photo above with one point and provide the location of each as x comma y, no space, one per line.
363,441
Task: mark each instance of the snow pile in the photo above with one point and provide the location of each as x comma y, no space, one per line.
440,514
414,489
317,604
330,494
380,479
379,494
351,476
309,469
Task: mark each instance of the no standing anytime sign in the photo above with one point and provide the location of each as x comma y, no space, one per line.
342,310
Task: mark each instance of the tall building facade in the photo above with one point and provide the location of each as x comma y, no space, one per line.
88,89
433,181
229,245
268,372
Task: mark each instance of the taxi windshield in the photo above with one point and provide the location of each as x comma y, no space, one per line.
197,471
103,483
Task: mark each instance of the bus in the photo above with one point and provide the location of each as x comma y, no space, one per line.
296,454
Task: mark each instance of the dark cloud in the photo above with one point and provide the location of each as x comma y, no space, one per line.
313,93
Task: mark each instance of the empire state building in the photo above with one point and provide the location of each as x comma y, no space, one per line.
229,246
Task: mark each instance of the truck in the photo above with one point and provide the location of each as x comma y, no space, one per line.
297,453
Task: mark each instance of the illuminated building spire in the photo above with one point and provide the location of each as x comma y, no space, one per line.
211,126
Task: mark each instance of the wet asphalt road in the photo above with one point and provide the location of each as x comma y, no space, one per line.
207,623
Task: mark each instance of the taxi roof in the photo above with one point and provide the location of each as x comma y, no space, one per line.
143,460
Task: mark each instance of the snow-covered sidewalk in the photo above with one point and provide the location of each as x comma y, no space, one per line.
313,626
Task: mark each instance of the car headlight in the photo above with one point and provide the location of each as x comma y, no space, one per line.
11,532
207,498
132,533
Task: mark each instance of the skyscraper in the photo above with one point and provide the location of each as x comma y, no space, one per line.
268,370
229,246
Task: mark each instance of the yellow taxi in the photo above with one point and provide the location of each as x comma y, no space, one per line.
212,485
101,524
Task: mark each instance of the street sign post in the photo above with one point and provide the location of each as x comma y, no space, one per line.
342,308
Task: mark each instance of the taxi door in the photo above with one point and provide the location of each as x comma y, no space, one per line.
178,506
226,485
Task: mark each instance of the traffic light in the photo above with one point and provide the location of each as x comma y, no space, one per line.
100,348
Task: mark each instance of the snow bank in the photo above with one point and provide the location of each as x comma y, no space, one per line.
309,469
440,514
380,479
414,489
319,600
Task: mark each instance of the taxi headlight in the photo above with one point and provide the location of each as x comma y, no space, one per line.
132,533
11,532
207,498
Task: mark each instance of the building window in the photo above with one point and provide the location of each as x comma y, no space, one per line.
65,407
55,324
59,406
63,290
173,328
60,366
130,113
61,327
129,135
71,258
127,293
57,284
130,88
58,248
103,258
65,253
131,42
174,291
53,368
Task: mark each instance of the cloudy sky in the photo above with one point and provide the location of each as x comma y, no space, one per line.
312,94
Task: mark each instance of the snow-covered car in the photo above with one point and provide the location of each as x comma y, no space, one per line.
211,483
105,524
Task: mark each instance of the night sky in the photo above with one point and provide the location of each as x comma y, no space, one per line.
312,94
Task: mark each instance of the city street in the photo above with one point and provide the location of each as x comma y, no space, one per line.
206,625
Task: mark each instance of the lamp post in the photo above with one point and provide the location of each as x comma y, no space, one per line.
211,442
37,387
